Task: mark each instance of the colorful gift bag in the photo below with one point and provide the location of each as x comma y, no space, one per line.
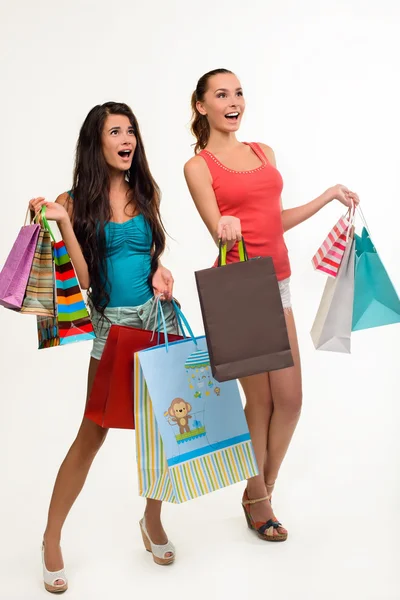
40,294
376,302
15,273
71,322
330,254
332,326
191,433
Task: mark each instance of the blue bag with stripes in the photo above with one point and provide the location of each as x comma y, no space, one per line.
191,432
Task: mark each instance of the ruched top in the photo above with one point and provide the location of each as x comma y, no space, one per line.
128,262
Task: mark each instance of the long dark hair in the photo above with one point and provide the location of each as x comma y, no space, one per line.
200,126
91,203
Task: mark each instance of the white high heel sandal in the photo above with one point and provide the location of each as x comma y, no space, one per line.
159,552
50,578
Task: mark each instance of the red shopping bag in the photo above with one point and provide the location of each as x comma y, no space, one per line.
110,404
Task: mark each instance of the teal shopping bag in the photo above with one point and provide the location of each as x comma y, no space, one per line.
376,302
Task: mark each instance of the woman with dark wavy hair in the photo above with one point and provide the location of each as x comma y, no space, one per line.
111,225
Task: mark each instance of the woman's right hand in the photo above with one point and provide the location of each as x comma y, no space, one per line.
229,230
54,210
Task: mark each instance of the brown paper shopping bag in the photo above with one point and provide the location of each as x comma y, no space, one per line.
243,317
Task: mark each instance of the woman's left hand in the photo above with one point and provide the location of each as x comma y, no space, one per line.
343,194
163,283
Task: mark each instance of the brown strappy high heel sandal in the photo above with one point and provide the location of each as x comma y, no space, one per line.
270,486
265,531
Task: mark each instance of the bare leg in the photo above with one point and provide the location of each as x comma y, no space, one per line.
70,480
258,414
287,397
154,525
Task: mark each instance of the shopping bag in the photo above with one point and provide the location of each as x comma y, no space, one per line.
191,433
40,293
332,326
243,317
15,273
71,322
330,254
110,403
376,301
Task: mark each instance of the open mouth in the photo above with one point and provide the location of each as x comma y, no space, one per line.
125,153
232,116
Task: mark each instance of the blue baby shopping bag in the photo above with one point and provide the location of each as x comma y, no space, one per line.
191,432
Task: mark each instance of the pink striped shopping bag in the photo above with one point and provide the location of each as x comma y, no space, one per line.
329,255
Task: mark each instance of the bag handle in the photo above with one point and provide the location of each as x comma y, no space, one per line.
243,257
182,320
151,314
364,221
31,219
160,314
41,215
160,324
155,311
35,217
351,219
45,222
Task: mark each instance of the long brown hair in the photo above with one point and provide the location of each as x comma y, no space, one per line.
91,202
200,126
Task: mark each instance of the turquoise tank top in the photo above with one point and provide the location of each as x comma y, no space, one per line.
128,258
128,262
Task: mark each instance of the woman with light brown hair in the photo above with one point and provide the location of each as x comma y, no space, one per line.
236,188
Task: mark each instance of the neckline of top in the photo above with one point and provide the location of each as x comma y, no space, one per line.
124,222
264,161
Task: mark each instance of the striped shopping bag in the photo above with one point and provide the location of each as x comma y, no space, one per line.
329,255
39,294
71,322
191,433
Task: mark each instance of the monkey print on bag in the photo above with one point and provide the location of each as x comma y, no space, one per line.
201,385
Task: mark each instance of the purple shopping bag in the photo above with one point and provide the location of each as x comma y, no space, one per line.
15,273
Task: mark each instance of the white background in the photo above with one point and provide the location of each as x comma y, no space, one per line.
321,81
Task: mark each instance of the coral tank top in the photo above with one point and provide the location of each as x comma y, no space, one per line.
254,198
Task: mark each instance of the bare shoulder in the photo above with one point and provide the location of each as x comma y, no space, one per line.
269,153
195,167
66,201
